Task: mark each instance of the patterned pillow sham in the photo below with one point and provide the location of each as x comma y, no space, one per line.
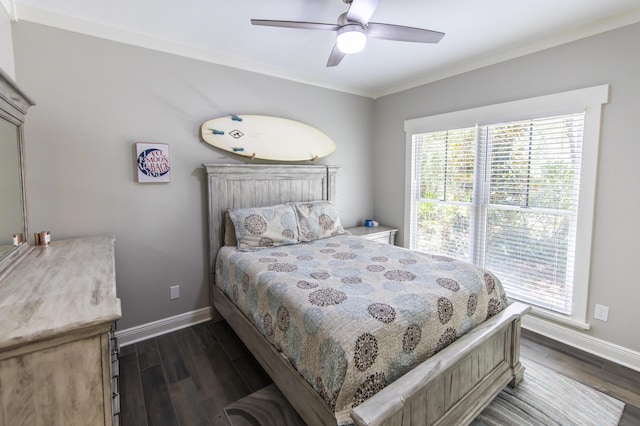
263,227
317,220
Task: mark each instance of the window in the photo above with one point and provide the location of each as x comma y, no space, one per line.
511,187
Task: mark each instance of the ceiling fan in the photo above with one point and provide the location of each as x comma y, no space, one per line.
353,28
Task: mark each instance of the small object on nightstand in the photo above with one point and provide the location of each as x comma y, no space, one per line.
381,234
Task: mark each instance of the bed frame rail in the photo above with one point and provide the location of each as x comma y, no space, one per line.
306,401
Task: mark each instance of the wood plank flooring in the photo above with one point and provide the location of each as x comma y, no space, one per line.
187,377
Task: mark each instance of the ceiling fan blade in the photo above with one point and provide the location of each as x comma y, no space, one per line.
400,33
362,10
335,57
295,24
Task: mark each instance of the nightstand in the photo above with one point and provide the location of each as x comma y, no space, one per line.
381,234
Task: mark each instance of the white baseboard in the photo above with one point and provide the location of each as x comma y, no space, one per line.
138,333
609,351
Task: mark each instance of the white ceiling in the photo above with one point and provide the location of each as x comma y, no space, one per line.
478,33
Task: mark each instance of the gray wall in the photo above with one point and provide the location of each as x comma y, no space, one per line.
6,45
605,58
96,98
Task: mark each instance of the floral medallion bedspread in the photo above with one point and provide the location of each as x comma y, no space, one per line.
352,315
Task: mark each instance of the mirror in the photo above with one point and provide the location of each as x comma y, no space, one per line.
13,108
10,187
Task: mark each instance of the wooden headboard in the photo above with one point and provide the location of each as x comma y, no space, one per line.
234,186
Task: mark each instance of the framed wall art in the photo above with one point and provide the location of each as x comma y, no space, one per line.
153,163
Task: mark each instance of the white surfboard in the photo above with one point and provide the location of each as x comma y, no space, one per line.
267,138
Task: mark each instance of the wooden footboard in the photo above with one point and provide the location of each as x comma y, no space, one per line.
452,387
457,383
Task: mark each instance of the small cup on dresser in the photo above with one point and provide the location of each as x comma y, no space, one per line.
42,238
17,239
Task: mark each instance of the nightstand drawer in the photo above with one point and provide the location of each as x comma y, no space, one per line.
381,234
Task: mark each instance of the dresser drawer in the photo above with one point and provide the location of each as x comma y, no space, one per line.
114,370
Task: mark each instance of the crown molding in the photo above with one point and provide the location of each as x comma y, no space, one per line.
598,27
100,30
10,7
40,16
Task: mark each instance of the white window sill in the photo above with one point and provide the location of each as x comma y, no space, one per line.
552,317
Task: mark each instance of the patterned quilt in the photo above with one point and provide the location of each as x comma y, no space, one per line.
352,315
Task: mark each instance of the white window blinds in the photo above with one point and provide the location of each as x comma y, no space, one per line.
444,167
531,189
529,213
504,196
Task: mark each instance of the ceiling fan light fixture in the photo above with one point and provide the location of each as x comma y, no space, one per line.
351,38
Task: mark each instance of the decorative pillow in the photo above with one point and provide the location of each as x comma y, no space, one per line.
229,231
261,227
316,220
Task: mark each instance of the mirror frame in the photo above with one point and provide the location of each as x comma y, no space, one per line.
14,104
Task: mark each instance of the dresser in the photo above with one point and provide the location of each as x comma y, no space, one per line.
381,234
58,361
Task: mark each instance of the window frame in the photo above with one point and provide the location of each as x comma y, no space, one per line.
589,100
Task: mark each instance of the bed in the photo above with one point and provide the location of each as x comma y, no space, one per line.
451,386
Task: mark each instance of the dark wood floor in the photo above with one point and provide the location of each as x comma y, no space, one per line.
187,377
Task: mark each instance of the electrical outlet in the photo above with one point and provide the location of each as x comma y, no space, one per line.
175,292
601,313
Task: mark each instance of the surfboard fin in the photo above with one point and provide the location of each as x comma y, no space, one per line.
217,132
235,117
238,149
